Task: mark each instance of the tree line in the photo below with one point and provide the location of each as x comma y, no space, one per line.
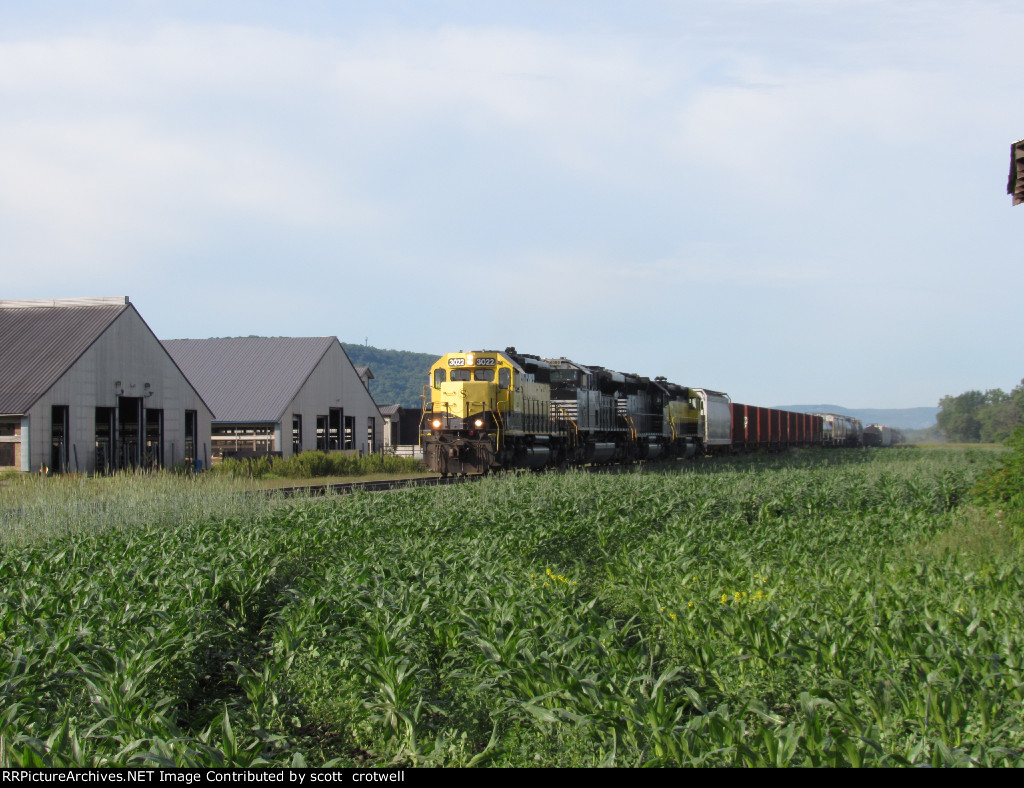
981,417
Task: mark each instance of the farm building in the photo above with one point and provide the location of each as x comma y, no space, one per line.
281,395
1015,185
86,386
401,428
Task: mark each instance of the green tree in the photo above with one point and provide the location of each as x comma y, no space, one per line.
958,418
998,417
1017,397
1005,482
399,375
975,416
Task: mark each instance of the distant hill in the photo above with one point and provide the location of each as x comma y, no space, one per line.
900,418
398,375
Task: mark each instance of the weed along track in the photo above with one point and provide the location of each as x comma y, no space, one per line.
764,611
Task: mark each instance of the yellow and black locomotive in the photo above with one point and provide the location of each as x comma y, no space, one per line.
486,410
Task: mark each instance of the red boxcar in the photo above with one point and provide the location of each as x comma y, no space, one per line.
753,426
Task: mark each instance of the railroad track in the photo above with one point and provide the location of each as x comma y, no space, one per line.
381,485
384,485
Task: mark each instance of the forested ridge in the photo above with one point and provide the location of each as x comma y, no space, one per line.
398,375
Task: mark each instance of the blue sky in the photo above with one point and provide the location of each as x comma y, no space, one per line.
793,201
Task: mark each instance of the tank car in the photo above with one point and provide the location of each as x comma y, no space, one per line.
841,430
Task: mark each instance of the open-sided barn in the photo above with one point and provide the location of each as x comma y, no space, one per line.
281,395
86,386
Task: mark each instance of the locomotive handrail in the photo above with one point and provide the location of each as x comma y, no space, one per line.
501,425
632,427
572,421
423,415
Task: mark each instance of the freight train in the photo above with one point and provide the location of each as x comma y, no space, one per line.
490,410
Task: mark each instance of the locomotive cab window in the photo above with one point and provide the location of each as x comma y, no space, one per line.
460,374
439,378
505,377
484,374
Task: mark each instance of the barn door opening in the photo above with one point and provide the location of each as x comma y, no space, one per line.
105,420
59,429
334,429
191,435
154,456
129,432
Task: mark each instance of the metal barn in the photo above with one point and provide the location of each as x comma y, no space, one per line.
86,387
281,395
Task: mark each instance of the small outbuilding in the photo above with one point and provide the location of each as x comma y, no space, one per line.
1015,184
85,386
401,429
281,395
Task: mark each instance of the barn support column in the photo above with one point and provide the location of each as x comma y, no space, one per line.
25,464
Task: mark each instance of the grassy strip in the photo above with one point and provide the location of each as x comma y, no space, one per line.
317,464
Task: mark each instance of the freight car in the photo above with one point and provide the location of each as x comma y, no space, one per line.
841,430
488,410
880,435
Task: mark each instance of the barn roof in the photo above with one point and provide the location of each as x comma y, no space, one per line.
40,340
249,379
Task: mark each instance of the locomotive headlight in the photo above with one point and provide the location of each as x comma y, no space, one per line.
437,424
469,359
479,422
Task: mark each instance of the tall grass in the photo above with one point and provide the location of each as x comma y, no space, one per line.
317,464
34,508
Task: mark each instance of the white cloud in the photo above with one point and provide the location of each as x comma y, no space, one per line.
112,149
717,150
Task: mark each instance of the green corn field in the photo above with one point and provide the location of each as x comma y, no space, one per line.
815,608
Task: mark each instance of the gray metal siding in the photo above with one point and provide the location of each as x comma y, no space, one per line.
127,353
334,383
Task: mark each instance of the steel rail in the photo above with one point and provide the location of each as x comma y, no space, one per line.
379,485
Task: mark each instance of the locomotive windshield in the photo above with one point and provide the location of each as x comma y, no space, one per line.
463,374
565,376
